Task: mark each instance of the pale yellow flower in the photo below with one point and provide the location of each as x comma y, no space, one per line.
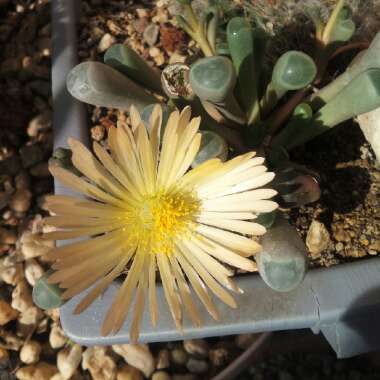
150,214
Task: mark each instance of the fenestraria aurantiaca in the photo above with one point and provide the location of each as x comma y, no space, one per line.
146,212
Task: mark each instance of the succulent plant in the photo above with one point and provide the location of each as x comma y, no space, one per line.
47,296
244,101
101,85
128,62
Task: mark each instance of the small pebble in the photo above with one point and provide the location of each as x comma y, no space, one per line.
127,372
219,357
317,239
33,271
163,359
30,352
150,34
7,236
7,313
100,365
106,42
4,358
179,356
141,12
197,366
22,297
57,337
98,132
196,347
22,180
21,200
137,355
39,371
68,360
160,376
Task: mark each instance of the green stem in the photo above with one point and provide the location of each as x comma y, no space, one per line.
270,99
286,110
231,109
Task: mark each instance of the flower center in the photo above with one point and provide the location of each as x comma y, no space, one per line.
159,219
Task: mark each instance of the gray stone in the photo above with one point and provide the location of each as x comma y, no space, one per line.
150,34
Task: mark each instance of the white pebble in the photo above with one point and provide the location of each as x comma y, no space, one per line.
68,360
57,338
30,352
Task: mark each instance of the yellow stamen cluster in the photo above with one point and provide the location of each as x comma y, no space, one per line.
159,219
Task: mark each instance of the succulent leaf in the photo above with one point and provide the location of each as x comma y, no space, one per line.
282,269
100,85
361,95
47,296
241,47
212,78
147,112
367,60
267,219
212,146
288,137
296,185
125,60
293,70
62,157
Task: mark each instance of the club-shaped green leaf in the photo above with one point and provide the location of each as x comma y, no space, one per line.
47,296
212,78
293,70
125,60
296,185
361,95
212,146
340,26
367,60
62,158
282,269
343,31
147,112
241,46
267,219
300,119
100,85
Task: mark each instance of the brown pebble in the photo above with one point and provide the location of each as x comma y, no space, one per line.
7,314
21,200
